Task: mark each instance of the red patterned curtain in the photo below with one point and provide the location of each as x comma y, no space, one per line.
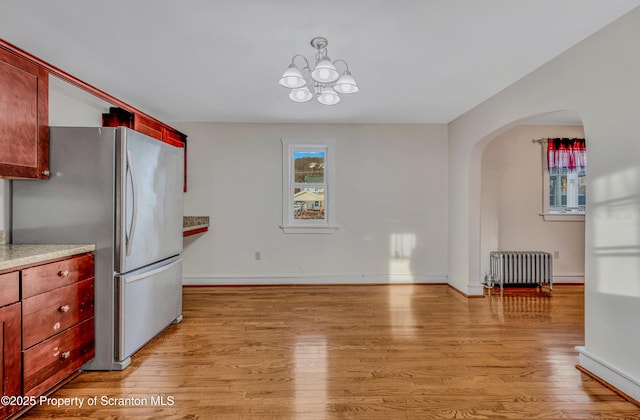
566,154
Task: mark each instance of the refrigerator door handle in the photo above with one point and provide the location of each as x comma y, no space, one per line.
146,274
134,211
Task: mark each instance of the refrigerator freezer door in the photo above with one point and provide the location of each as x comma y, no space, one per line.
148,300
149,197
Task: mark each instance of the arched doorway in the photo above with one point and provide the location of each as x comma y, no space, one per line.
512,190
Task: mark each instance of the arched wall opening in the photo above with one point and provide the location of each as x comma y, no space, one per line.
512,192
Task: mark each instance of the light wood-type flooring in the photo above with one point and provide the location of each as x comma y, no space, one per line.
356,352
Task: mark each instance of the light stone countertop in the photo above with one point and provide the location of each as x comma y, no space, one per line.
17,255
195,222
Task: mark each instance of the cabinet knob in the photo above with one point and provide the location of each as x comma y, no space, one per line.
65,355
64,308
64,273
56,326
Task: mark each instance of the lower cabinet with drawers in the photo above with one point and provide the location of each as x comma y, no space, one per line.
48,332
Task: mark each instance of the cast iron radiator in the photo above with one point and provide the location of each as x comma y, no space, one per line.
522,268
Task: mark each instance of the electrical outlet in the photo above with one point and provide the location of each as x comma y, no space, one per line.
258,256
556,255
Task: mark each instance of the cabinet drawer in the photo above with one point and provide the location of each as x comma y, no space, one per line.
50,276
49,313
9,288
54,359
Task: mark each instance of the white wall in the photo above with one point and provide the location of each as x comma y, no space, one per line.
511,194
598,78
70,106
391,192
5,207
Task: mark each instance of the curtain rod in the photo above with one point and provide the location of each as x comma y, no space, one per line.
545,140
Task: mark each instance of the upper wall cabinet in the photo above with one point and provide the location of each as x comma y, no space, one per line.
152,128
24,130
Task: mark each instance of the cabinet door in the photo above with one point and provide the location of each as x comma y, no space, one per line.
9,288
11,361
24,129
148,127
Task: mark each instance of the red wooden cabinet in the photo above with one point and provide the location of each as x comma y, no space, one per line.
24,114
148,127
46,327
118,117
11,357
10,346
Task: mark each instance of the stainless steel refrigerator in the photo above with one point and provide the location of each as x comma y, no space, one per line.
122,191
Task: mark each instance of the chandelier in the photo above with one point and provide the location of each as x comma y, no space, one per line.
322,81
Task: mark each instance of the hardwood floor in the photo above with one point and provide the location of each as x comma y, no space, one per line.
357,352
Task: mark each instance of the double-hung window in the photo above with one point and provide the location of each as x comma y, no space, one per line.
308,186
565,179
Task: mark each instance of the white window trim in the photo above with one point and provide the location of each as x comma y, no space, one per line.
546,214
289,224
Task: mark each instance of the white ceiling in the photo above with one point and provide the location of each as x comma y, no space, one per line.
416,61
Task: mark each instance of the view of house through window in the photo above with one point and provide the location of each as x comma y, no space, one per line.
309,185
567,191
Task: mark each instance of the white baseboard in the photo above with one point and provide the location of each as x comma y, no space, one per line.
475,290
314,279
568,278
235,280
610,374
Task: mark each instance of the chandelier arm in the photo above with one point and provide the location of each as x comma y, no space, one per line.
303,57
341,60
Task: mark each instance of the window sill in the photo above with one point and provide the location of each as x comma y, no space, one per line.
308,229
562,217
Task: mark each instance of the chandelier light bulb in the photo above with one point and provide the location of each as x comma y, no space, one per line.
325,72
292,78
328,96
346,84
301,95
